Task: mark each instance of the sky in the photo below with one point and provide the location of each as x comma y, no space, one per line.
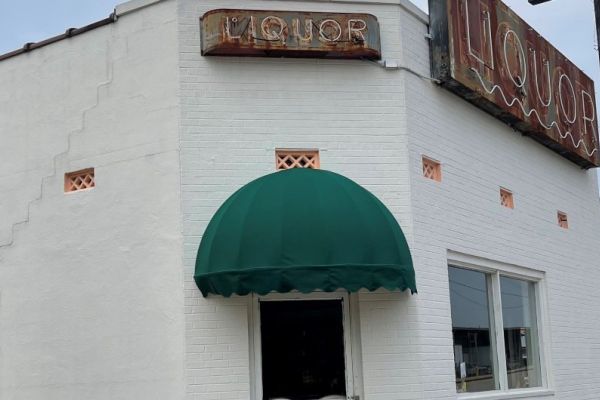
568,24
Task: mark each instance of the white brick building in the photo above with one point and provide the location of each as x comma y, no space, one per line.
97,291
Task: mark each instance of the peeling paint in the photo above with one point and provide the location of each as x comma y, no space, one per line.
487,54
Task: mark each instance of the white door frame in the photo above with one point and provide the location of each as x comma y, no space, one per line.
351,326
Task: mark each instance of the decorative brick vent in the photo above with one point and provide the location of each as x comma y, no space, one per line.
432,169
506,198
563,220
287,159
79,180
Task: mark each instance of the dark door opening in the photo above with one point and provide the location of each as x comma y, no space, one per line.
303,354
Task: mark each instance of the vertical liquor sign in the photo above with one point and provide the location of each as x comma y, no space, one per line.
484,52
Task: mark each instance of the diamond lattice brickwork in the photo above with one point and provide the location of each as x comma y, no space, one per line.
506,198
432,169
287,159
79,180
563,220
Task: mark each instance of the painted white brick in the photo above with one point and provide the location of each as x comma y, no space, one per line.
374,130
479,154
91,301
192,149
236,111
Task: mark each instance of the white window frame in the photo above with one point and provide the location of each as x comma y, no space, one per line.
495,270
351,326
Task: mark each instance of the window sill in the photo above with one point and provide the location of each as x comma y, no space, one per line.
512,394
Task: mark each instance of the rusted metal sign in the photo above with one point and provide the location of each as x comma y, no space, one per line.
228,32
485,53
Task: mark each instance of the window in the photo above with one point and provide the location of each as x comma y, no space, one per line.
474,344
432,169
289,158
495,350
79,180
520,333
302,347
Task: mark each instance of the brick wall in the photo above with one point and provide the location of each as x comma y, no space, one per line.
235,112
463,213
373,126
90,282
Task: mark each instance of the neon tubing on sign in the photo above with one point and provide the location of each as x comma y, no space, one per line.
533,111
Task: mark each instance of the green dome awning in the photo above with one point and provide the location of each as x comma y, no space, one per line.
304,230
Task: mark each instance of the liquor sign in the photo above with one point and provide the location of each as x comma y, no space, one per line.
487,54
228,32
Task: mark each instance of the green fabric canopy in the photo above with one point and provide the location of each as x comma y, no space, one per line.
304,230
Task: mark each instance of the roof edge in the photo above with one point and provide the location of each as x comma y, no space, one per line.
119,11
133,5
407,5
30,46
415,11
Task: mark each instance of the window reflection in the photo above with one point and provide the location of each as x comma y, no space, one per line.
520,333
472,331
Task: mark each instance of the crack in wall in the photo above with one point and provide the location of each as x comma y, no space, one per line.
84,112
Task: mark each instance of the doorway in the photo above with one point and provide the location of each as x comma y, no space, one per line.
303,347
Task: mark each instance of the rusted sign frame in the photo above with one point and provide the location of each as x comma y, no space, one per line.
482,51
267,33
